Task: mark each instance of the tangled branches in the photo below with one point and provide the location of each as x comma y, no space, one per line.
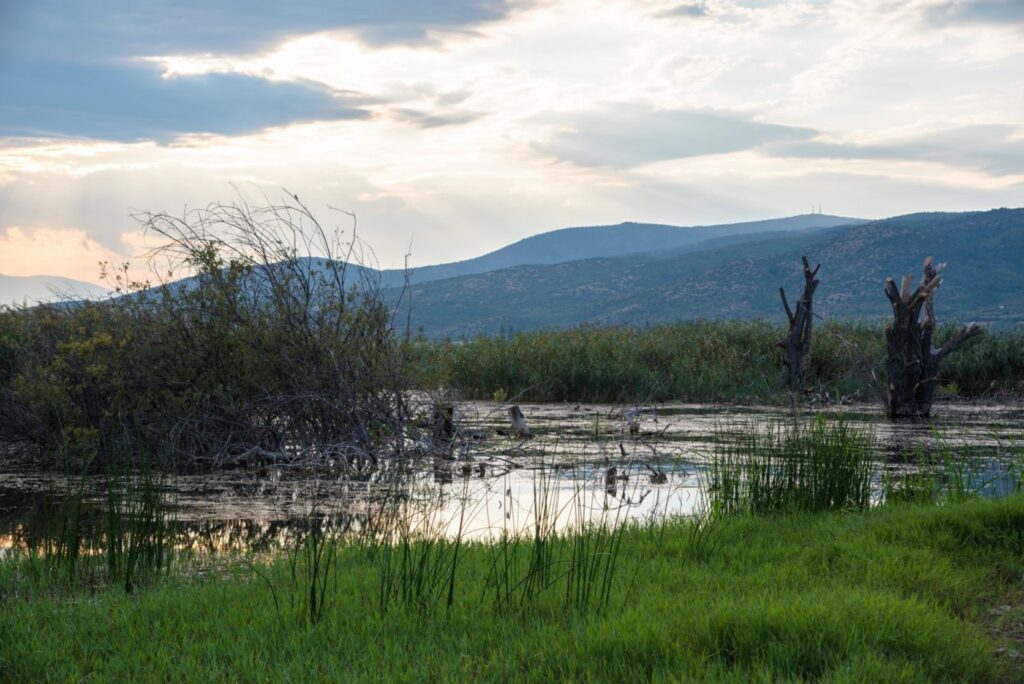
277,346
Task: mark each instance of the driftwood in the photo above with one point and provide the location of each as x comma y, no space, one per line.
912,363
797,344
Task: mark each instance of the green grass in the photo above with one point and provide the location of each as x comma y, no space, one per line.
899,593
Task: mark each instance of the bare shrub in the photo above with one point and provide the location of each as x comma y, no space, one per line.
279,347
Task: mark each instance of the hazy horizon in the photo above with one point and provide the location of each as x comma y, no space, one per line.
96,280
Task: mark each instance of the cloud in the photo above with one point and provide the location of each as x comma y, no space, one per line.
687,9
701,140
128,28
102,203
68,252
994,148
975,12
132,102
74,68
435,119
623,135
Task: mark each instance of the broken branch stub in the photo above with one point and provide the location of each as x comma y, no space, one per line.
911,362
520,428
797,343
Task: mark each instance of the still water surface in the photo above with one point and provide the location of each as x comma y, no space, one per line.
494,484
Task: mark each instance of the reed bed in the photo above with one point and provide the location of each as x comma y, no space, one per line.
560,551
942,472
702,361
417,562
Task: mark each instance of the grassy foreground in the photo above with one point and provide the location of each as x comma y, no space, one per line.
900,593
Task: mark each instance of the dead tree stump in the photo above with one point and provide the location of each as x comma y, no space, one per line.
912,363
442,422
797,344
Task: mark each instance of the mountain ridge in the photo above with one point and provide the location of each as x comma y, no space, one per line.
741,280
555,246
34,289
588,242
730,275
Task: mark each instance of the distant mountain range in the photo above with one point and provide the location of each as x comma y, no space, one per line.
636,274
43,288
739,276
591,242
557,246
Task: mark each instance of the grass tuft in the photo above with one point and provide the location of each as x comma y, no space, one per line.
826,466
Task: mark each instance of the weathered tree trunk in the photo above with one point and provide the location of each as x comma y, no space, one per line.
796,345
912,363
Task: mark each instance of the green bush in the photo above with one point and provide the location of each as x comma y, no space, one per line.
263,353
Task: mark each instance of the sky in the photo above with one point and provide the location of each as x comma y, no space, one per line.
454,127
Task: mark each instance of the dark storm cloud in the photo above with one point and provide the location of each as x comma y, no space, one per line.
628,135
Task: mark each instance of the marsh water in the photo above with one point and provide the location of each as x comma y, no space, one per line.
581,466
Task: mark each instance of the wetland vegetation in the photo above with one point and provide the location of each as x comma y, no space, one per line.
706,361
900,593
390,524
805,554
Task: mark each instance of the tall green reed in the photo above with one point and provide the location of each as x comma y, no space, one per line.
417,560
693,361
311,563
824,466
1014,454
118,527
140,527
556,552
943,472
704,528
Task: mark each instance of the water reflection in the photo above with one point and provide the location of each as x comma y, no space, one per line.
583,466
